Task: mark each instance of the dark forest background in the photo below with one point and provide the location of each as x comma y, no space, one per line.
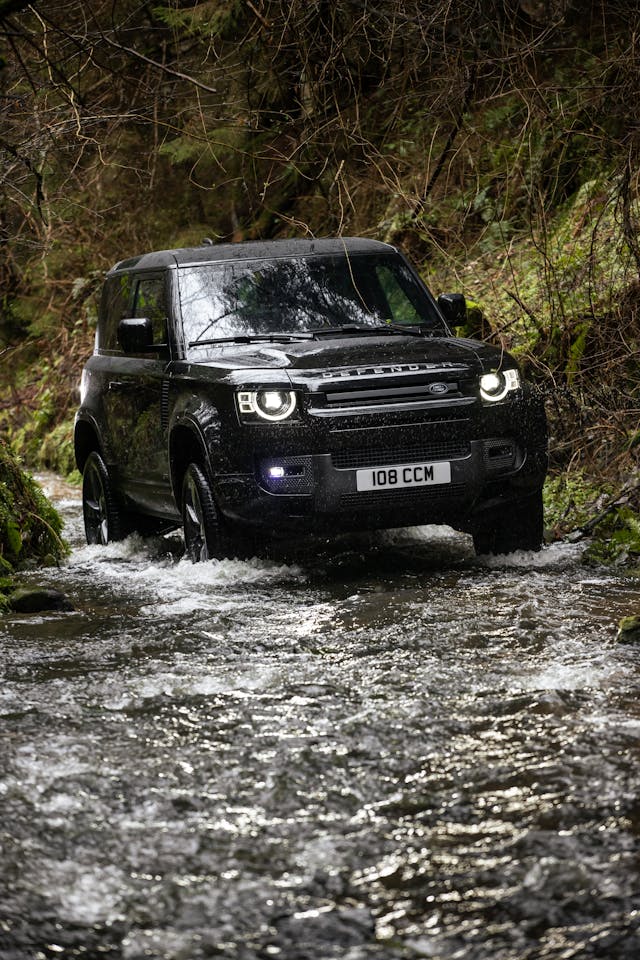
496,143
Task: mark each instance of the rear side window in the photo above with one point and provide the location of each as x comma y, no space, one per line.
114,305
151,302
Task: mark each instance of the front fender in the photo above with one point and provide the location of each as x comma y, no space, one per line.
194,435
87,437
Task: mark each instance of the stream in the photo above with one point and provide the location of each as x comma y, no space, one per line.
381,747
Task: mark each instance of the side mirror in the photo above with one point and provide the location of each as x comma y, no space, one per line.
454,308
135,335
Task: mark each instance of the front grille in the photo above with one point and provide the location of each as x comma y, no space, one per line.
393,498
437,420
416,453
398,393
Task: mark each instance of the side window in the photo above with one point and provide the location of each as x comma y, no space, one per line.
151,302
400,306
114,305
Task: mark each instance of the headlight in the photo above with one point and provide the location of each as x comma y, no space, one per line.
495,386
84,385
267,404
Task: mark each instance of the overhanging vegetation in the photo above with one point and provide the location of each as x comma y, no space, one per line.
498,145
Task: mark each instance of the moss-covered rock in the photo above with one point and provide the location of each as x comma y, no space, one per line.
30,527
38,599
629,629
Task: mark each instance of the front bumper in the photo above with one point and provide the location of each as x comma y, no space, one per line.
318,492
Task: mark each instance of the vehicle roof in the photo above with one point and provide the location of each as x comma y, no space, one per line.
250,250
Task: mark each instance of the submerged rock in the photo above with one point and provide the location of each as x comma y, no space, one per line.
38,599
629,629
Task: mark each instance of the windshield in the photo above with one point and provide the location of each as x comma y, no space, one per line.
300,296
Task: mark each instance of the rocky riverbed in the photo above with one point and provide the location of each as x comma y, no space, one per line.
377,748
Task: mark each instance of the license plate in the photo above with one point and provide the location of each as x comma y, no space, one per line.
403,475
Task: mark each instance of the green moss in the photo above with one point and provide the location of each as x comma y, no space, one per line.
570,501
574,502
56,451
616,538
629,629
7,586
577,350
30,527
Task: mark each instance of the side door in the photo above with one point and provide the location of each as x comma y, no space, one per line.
136,389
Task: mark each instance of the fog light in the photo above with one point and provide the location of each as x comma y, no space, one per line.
276,473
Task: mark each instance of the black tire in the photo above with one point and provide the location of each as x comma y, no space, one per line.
199,516
103,521
516,527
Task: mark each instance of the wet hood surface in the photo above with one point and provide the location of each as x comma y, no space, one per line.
354,352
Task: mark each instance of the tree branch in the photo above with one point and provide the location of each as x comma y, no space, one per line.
157,65
453,133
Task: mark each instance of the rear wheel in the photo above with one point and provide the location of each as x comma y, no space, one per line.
517,527
103,521
199,516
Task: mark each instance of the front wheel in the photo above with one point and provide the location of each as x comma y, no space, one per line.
199,516
103,521
518,526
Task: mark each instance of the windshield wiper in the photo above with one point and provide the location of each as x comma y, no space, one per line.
253,338
413,331
346,328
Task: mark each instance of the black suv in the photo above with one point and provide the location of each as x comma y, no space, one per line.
300,386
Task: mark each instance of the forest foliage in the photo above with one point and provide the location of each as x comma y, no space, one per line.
495,141
30,528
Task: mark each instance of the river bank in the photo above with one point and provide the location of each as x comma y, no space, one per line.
30,526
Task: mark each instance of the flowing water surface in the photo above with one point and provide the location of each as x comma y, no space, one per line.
378,748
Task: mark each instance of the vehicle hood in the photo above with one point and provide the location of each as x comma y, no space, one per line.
307,360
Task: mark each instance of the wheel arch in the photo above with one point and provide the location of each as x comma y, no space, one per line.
85,441
186,445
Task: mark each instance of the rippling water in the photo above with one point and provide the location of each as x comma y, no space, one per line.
382,748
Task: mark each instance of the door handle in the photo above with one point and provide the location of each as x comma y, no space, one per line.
121,386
